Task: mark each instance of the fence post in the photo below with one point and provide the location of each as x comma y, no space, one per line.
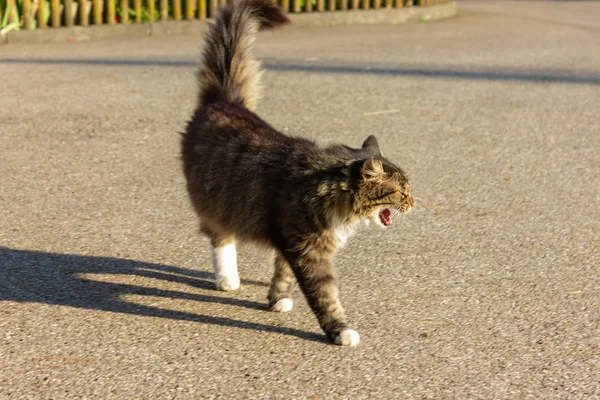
124,11
55,13
151,9
137,6
202,9
365,4
83,13
177,9
189,10
41,14
213,8
296,5
164,10
26,11
97,11
110,12
69,12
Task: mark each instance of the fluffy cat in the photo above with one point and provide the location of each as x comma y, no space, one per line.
249,182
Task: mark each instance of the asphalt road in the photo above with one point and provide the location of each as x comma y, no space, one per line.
489,289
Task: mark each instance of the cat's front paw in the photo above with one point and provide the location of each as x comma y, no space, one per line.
347,337
283,305
227,284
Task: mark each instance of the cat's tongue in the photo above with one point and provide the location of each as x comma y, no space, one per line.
386,217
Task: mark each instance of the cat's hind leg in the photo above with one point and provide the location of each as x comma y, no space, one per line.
280,292
224,257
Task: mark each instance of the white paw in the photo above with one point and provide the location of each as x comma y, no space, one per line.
225,265
283,305
348,337
227,284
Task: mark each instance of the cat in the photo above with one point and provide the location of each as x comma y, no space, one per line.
248,182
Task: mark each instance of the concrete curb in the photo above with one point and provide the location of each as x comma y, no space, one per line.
379,16
314,19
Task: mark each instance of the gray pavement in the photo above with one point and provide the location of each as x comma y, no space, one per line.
489,289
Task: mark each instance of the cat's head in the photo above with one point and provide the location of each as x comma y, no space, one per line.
383,189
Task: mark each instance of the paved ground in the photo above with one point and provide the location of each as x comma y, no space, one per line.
490,289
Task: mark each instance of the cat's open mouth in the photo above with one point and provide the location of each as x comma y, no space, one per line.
385,216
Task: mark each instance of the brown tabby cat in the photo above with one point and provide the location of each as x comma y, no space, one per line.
248,182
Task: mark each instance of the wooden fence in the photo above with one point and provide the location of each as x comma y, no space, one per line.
31,14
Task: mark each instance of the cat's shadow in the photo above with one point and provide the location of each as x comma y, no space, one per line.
63,279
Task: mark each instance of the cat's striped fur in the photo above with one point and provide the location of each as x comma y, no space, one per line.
249,182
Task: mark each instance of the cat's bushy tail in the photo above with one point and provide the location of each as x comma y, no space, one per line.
229,72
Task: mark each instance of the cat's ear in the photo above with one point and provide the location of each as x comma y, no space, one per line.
372,169
371,145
